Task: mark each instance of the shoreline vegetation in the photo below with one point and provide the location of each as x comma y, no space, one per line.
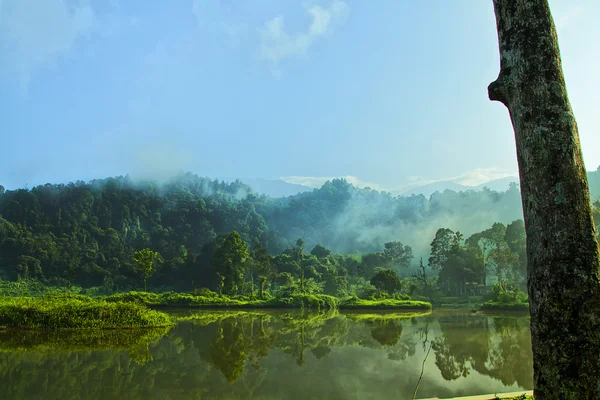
31,305
509,306
77,312
52,308
303,301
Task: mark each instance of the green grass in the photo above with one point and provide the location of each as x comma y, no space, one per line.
361,316
505,306
458,302
354,303
310,301
76,312
188,300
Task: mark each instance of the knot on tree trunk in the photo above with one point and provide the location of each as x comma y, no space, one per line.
498,90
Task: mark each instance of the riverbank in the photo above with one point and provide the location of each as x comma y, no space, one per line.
308,301
77,312
500,306
525,395
385,304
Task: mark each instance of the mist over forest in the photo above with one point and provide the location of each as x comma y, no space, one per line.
99,224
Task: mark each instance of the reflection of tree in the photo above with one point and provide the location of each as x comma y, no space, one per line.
511,359
299,346
222,354
230,342
228,352
302,331
321,351
452,365
464,342
501,350
386,333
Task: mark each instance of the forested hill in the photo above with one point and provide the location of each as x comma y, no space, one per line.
98,225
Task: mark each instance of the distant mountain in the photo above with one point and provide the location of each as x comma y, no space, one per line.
272,187
429,189
499,185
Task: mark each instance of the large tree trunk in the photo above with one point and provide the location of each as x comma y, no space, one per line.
562,251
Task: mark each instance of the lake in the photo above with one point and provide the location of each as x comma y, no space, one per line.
275,355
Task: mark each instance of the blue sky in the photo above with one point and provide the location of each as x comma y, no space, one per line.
386,93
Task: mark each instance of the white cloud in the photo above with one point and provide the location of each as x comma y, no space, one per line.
482,175
277,44
35,33
214,17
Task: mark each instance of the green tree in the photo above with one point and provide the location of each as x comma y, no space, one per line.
370,262
386,280
229,260
145,260
445,242
299,259
320,251
399,255
462,267
262,268
423,278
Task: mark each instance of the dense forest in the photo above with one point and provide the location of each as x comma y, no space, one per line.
206,233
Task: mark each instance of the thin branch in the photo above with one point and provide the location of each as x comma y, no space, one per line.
422,370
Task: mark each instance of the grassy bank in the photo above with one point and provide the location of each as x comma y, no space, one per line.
188,300
473,302
76,312
505,306
310,301
374,316
355,303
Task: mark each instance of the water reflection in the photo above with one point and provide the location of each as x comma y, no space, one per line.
274,355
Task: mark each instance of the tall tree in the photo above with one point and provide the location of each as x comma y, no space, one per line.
145,260
299,258
262,267
229,261
400,255
445,242
562,250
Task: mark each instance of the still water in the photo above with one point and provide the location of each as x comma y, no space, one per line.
275,355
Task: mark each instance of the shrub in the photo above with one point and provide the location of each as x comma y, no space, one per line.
205,292
315,301
76,312
356,303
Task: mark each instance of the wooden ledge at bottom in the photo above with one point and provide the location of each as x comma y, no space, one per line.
487,396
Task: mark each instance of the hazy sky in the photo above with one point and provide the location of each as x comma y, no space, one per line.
385,92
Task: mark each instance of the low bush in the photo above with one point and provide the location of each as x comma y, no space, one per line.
313,301
76,312
354,303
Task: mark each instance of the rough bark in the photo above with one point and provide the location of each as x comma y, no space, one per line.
562,251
